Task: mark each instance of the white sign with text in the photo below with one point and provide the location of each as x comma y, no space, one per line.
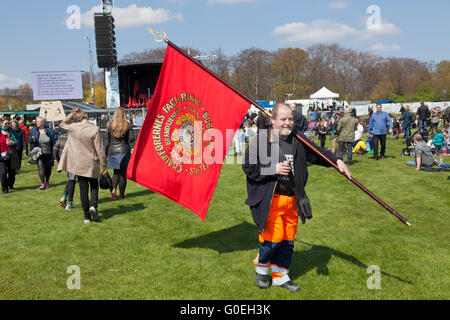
57,85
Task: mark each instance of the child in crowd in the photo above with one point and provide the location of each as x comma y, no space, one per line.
446,142
438,142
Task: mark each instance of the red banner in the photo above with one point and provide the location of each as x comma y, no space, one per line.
182,145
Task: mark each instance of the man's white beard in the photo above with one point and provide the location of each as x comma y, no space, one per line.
284,132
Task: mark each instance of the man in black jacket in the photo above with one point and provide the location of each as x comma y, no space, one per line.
275,166
406,119
423,114
300,122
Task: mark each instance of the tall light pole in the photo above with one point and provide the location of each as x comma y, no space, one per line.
91,73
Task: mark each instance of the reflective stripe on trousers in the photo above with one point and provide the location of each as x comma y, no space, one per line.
276,243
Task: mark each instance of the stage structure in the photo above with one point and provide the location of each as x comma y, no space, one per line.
137,82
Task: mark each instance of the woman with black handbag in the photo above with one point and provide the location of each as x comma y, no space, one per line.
119,140
105,181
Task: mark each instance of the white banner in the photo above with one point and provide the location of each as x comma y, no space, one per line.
57,85
112,89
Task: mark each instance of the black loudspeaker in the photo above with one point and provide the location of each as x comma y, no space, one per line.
105,41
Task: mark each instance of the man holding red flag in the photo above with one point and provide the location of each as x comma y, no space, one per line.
276,194
180,149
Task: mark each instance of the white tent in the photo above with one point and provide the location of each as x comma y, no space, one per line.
324,93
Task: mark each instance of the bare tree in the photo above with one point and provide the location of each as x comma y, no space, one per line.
319,66
289,73
219,63
441,80
401,70
346,71
152,54
369,68
252,73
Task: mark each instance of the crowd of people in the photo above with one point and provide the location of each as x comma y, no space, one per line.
345,129
276,184
78,147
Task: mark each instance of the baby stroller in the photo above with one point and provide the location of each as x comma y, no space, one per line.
409,141
409,149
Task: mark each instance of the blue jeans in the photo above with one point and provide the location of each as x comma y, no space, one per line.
407,129
349,150
444,165
423,123
413,163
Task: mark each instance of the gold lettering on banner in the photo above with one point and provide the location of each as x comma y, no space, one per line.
207,120
178,134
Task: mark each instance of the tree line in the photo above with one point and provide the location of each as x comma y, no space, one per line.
298,73
355,75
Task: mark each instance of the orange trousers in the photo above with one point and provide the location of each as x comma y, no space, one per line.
276,243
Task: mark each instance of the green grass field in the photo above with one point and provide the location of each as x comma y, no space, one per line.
148,247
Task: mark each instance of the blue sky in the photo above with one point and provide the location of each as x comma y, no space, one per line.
35,37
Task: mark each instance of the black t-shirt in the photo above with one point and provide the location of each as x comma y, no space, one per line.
286,154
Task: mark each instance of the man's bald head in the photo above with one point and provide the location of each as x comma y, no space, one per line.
278,107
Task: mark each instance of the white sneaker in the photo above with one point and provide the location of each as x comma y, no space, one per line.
70,206
94,215
86,221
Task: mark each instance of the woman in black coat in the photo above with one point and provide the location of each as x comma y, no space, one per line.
118,145
322,133
20,144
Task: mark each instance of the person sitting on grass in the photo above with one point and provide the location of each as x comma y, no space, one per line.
446,142
424,156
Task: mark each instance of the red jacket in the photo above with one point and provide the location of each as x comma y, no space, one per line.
26,132
3,146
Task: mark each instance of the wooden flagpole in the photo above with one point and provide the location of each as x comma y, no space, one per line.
303,140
